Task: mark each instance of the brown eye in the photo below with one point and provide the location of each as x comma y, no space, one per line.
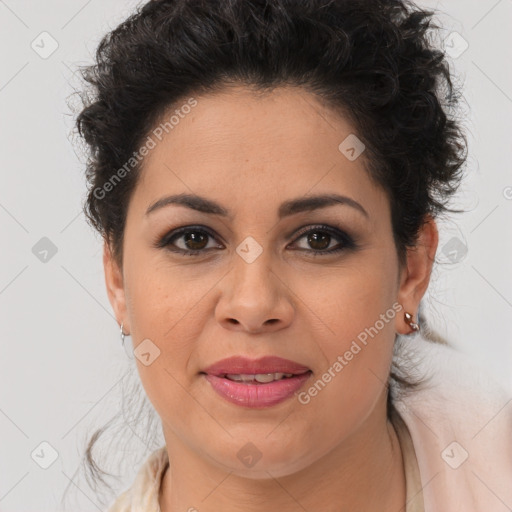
189,240
195,240
321,240
318,240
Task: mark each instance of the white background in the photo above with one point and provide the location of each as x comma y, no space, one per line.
61,359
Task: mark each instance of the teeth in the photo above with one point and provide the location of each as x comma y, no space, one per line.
267,377
263,378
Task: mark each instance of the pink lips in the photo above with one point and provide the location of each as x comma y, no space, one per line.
255,394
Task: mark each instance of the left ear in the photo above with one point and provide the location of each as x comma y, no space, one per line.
415,276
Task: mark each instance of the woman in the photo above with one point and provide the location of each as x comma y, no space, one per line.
267,177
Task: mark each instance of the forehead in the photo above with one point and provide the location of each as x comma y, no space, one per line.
237,145
241,122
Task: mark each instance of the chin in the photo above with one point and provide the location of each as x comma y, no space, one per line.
262,463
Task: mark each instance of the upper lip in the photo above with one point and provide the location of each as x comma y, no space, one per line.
244,365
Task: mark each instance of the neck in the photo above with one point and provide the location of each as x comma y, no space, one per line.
364,473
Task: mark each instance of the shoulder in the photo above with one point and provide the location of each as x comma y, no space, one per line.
460,421
143,493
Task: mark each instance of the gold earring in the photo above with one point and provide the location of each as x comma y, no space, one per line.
413,325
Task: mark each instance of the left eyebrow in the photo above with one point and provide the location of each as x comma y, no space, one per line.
290,207
315,202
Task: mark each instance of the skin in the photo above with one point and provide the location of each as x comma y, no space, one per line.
250,153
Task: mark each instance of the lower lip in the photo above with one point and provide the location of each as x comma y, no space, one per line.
257,395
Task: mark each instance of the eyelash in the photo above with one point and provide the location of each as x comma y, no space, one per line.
347,242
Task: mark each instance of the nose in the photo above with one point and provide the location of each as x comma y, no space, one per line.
254,299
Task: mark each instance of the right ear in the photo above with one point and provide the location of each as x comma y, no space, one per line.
115,286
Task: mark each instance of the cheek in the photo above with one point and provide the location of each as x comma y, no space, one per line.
343,396
358,305
171,305
164,299
350,299
350,381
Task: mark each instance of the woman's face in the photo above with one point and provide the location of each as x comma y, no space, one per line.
260,285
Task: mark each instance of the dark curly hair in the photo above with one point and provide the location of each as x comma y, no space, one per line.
373,61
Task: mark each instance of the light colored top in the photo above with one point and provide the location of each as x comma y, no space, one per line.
460,424
413,491
455,435
142,496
